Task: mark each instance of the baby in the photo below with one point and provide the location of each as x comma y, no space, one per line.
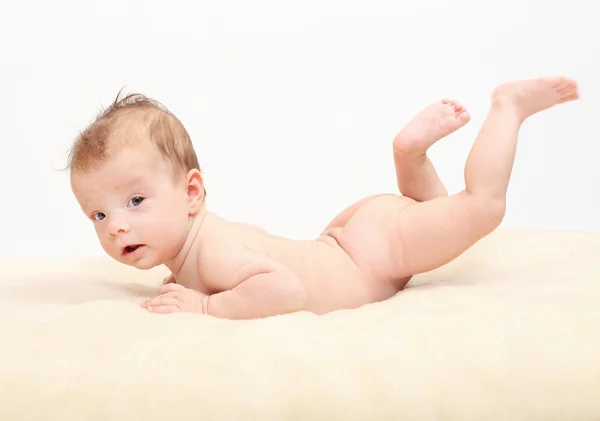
135,174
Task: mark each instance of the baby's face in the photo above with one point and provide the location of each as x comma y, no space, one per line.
141,216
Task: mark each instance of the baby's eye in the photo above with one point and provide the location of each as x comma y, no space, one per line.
135,201
98,216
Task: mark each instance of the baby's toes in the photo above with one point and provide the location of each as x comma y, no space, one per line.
457,105
463,117
452,122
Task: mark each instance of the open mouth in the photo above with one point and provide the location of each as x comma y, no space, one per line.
131,249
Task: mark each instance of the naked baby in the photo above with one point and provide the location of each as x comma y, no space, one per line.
136,176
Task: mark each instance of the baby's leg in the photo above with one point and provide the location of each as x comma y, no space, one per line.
415,173
430,234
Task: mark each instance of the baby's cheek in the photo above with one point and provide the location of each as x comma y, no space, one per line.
108,248
99,231
159,230
175,232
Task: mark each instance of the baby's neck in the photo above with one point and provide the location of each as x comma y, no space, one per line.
185,264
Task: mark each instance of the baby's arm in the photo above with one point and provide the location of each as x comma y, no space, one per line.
267,288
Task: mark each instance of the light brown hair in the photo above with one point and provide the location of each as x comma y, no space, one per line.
143,116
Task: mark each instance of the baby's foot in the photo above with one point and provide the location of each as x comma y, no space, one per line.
430,125
532,96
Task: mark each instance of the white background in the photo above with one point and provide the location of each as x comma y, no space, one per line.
292,106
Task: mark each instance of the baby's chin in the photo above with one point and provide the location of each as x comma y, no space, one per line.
146,263
143,263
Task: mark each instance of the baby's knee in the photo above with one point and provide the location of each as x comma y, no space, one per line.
489,212
495,212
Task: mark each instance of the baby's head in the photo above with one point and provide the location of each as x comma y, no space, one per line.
135,174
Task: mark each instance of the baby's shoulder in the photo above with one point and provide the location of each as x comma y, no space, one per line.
220,260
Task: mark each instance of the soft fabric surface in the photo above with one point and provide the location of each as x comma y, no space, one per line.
508,331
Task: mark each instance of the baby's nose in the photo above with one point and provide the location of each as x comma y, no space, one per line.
116,226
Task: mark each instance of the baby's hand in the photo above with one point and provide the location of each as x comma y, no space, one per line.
172,298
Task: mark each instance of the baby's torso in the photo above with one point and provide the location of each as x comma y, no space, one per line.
332,279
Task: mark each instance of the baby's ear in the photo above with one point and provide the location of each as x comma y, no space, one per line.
195,190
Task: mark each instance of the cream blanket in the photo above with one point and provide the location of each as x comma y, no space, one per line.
508,331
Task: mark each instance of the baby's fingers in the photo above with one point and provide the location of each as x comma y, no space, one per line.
162,300
164,309
170,288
